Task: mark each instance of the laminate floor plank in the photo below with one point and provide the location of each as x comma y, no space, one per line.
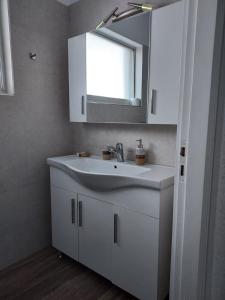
45,277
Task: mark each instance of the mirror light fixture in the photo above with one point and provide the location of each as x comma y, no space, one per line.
144,7
136,9
106,20
125,14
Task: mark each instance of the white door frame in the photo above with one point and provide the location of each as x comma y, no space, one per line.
213,285
7,88
196,79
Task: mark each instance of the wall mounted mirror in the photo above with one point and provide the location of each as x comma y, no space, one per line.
116,56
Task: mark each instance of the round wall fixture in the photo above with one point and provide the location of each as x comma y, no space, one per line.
33,55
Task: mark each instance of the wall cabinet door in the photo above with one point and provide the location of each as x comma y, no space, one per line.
77,78
135,253
95,235
165,64
64,228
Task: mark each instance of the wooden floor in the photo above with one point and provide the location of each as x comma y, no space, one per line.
44,276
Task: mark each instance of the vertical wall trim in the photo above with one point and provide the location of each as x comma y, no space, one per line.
6,48
188,53
192,131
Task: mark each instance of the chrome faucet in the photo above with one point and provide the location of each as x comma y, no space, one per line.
118,150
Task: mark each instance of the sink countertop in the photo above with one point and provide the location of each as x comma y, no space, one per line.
152,176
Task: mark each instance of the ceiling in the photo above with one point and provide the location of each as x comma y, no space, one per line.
68,2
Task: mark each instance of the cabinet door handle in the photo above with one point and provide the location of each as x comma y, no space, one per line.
115,228
82,105
153,101
80,213
73,211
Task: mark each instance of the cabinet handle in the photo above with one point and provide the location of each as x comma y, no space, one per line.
153,101
80,213
82,105
115,228
73,211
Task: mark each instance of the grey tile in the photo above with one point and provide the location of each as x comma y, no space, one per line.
49,18
159,141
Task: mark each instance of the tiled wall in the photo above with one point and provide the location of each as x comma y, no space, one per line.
33,125
159,141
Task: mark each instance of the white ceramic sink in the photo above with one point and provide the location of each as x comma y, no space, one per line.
97,166
105,175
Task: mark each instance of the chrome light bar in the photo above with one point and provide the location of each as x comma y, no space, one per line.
136,9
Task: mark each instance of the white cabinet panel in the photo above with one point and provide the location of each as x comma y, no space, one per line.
64,228
165,64
128,247
77,78
96,235
135,254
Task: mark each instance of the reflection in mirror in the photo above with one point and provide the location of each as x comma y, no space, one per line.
116,56
110,67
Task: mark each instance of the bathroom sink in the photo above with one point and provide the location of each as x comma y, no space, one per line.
97,166
98,174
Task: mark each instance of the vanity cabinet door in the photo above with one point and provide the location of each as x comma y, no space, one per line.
165,64
95,235
135,253
64,228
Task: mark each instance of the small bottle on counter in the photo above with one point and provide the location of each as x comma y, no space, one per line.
106,155
140,153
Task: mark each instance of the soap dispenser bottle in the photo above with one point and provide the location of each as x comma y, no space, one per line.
140,153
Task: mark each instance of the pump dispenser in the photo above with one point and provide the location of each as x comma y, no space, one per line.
140,153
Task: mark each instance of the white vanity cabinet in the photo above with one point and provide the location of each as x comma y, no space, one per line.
165,64
123,234
96,235
135,253
64,225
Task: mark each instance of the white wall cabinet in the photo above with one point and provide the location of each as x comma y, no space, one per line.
165,64
164,68
77,78
124,235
